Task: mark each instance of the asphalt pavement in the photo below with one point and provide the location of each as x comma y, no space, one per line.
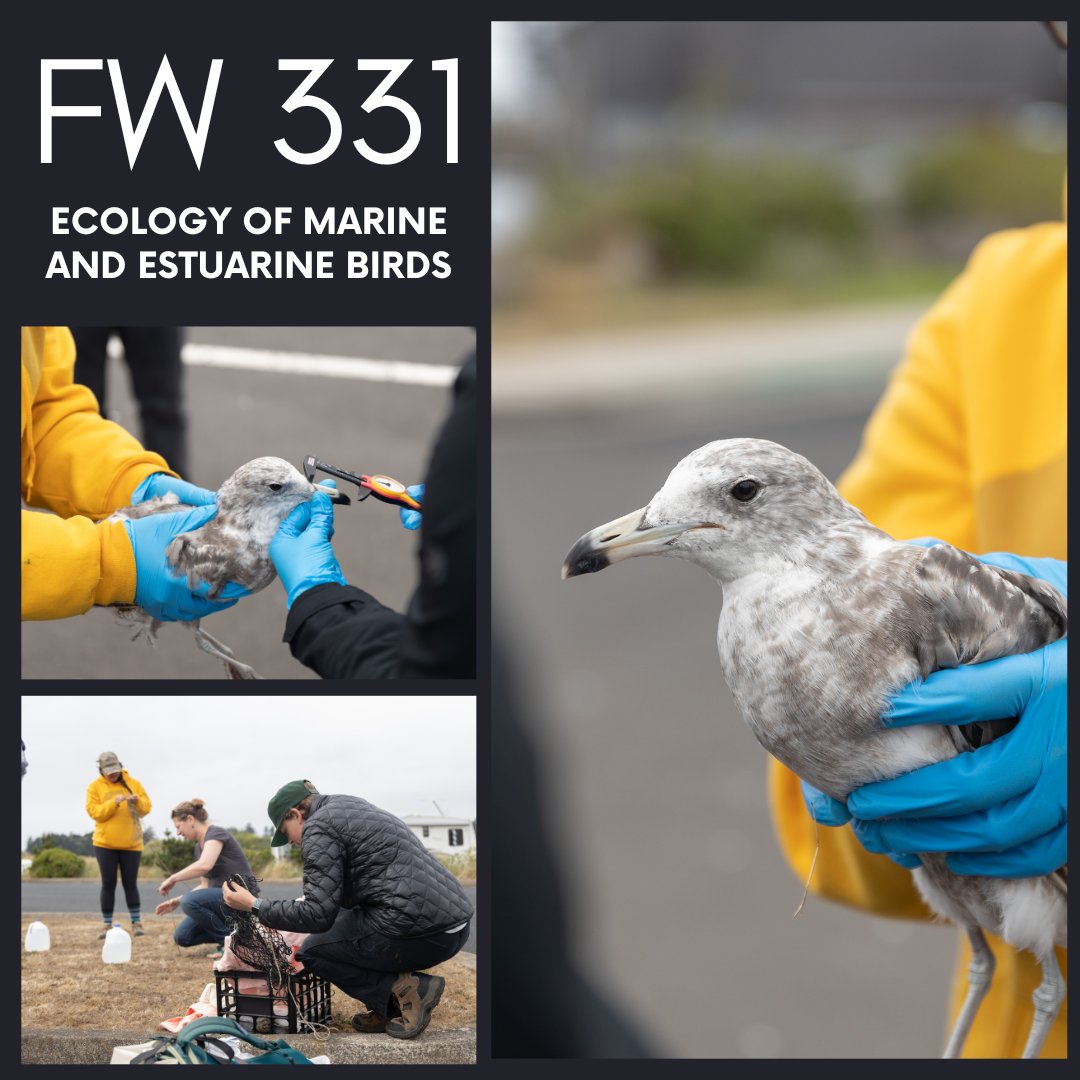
680,902
236,415
40,898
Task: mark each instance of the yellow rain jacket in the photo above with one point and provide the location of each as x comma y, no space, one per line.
81,467
967,444
117,826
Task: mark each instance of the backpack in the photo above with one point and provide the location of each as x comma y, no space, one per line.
190,1046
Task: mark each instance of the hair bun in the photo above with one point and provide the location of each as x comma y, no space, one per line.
198,803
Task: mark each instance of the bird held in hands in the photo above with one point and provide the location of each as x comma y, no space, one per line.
824,618
232,547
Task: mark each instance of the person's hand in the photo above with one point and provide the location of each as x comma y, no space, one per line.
410,519
119,799
166,886
166,906
158,590
236,896
162,484
301,551
1000,810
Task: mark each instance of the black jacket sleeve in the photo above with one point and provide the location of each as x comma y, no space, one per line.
324,877
342,632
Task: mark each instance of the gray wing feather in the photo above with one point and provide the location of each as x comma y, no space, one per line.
983,612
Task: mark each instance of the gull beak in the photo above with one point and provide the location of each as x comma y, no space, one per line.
335,495
623,539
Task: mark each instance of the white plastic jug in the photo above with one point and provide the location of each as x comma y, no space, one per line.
37,937
117,947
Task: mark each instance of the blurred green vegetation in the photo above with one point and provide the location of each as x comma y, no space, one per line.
775,218
56,863
987,173
706,218
462,864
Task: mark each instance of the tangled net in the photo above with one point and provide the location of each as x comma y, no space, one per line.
259,946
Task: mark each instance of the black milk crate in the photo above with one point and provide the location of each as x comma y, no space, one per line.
306,997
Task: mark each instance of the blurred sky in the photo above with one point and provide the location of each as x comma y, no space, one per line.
400,753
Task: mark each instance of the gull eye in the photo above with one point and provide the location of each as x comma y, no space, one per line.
745,490
275,486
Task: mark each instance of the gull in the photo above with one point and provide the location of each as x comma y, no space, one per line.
233,546
824,618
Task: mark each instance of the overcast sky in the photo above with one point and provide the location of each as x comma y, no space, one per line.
402,753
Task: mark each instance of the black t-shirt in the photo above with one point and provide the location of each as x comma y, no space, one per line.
231,860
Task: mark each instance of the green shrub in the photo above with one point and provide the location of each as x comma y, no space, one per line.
56,862
988,174
173,853
256,848
705,218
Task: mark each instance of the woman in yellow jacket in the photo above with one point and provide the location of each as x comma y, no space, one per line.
82,468
968,445
117,802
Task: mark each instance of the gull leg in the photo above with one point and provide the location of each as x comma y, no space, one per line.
233,667
980,972
1048,996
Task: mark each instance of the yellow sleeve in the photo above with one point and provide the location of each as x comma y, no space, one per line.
74,461
143,803
96,807
68,566
912,468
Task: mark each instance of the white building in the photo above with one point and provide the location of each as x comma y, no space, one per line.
449,835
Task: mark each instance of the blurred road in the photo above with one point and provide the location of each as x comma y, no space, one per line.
236,415
44,897
682,903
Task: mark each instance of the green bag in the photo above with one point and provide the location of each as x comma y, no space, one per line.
189,1046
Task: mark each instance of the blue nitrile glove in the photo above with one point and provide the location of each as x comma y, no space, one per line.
301,550
410,519
161,484
1001,810
158,590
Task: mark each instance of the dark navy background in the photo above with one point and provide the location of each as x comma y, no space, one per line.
242,168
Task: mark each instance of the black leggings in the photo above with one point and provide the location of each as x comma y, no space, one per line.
127,862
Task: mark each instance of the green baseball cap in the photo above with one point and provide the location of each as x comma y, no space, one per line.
295,791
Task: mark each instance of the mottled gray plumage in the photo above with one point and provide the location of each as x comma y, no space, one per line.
825,617
233,546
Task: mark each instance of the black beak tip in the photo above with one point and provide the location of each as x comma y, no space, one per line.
585,562
340,498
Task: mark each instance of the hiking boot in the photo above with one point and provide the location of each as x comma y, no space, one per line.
137,930
101,936
369,1023
417,996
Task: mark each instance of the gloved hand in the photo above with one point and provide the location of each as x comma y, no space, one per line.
1001,810
301,551
161,484
158,590
410,519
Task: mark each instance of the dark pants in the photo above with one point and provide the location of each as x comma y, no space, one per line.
366,967
127,862
204,919
152,355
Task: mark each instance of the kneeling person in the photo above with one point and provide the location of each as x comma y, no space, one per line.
218,856
377,904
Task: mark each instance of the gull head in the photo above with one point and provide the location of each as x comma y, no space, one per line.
268,486
732,506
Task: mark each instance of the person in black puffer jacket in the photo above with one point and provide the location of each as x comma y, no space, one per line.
377,904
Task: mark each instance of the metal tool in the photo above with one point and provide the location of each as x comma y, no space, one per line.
384,488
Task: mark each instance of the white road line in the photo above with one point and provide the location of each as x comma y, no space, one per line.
335,367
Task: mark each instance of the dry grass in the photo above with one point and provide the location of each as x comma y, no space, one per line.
70,987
